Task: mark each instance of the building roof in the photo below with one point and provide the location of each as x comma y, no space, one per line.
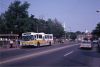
9,35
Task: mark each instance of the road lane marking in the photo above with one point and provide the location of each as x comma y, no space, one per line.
68,53
35,54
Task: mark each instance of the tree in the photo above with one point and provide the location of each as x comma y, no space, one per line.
17,17
55,27
3,27
59,30
16,20
78,32
50,26
86,39
96,31
72,35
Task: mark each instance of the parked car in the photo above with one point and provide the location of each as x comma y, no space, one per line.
86,44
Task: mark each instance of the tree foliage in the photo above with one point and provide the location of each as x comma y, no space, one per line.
71,35
96,31
17,20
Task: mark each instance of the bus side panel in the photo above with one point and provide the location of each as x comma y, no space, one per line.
42,42
26,43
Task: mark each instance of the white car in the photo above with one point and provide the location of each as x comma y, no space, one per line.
86,44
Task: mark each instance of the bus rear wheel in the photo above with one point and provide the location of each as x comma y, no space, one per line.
50,43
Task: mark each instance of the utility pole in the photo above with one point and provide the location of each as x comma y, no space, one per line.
69,33
64,30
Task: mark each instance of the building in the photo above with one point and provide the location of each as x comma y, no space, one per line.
87,35
5,40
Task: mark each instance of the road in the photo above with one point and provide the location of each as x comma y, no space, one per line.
56,55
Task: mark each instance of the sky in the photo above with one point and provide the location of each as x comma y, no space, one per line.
77,15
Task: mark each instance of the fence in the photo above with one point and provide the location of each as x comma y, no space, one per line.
5,40
7,44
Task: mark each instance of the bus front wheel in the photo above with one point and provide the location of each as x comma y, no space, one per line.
38,44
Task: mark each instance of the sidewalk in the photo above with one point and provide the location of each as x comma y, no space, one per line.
7,49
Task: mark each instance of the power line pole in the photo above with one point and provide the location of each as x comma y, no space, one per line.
64,29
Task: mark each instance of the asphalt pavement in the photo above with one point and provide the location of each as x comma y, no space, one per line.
52,56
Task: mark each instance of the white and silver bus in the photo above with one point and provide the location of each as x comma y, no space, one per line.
36,39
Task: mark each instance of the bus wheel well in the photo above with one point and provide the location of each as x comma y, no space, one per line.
50,43
38,44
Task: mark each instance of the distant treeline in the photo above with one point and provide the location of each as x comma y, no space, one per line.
16,20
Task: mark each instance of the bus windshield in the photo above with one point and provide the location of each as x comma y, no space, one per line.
27,38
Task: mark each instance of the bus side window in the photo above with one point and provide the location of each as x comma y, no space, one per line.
50,37
40,36
35,37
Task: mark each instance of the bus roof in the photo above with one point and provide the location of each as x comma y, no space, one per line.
31,33
49,34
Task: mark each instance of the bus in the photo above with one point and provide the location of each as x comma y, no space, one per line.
36,39
49,38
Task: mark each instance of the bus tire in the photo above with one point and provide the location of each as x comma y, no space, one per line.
38,44
50,43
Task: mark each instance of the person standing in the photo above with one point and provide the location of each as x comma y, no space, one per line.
11,43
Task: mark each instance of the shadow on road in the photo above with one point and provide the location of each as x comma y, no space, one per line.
85,48
98,49
31,47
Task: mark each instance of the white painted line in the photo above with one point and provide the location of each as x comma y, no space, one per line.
35,54
68,53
